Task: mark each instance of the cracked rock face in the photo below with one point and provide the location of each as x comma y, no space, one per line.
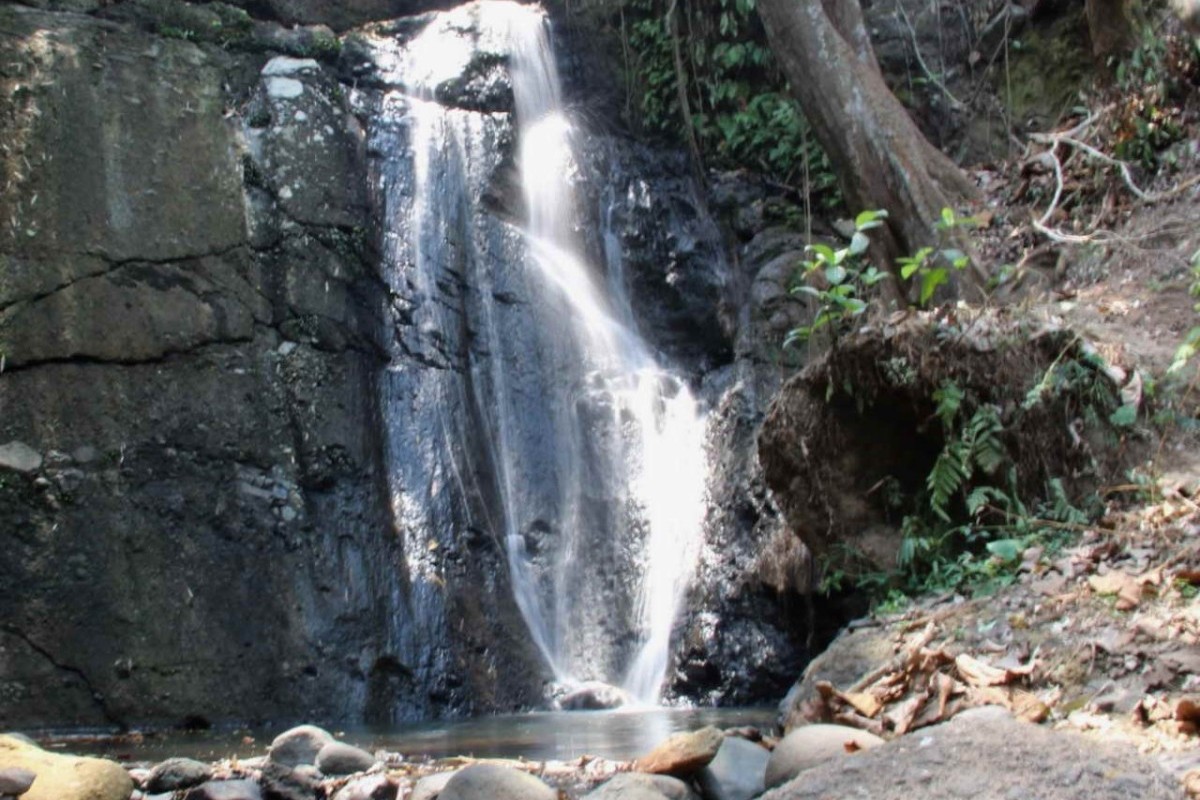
191,509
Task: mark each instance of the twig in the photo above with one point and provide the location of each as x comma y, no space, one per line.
957,104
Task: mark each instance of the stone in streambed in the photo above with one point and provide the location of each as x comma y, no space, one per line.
370,787
19,457
737,772
225,790
495,782
175,774
299,745
339,758
812,745
431,786
683,753
15,781
594,696
639,786
290,783
63,777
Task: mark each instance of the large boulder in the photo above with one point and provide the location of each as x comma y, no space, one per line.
63,777
495,782
639,786
812,745
299,746
986,753
737,772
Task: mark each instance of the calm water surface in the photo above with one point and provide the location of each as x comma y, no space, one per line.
540,736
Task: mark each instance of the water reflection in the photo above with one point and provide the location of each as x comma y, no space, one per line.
618,735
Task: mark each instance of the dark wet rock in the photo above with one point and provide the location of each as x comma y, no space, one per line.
155,309
279,782
339,758
177,773
640,786
226,790
987,748
737,772
682,754
299,745
813,745
494,782
593,695
15,780
371,787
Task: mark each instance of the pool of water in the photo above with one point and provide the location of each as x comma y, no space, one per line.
560,735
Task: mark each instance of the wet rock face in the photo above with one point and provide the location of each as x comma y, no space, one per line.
190,338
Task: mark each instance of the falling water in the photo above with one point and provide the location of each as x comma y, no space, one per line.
665,458
588,461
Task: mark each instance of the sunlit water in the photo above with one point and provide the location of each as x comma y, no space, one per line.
618,735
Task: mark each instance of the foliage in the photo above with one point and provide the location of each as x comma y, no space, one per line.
1153,80
838,281
931,266
742,115
1191,343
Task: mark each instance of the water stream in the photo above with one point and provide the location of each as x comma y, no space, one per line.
584,454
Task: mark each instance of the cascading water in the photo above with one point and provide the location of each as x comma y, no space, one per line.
582,454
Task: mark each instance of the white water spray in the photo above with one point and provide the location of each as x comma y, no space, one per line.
591,451
663,449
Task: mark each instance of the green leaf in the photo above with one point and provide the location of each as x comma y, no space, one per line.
955,257
948,217
835,274
823,252
1124,416
930,282
1007,550
859,243
869,219
908,270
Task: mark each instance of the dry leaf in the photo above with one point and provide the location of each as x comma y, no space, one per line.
864,703
1191,576
1028,707
851,746
1188,710
977,673
1191,783
901,717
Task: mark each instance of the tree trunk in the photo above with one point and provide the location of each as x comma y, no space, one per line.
1110,26
882,159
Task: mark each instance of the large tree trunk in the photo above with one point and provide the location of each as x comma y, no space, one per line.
1110,26
881,157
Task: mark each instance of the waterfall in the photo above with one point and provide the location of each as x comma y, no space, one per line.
586,455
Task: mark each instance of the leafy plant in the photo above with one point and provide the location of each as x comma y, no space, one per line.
742,114
838,280
1154,80
931,266
1191,342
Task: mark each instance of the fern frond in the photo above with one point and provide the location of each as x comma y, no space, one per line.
949,399
951,469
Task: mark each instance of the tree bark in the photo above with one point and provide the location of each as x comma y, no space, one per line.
1110,27
882,159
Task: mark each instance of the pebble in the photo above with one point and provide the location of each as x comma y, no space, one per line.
299,745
